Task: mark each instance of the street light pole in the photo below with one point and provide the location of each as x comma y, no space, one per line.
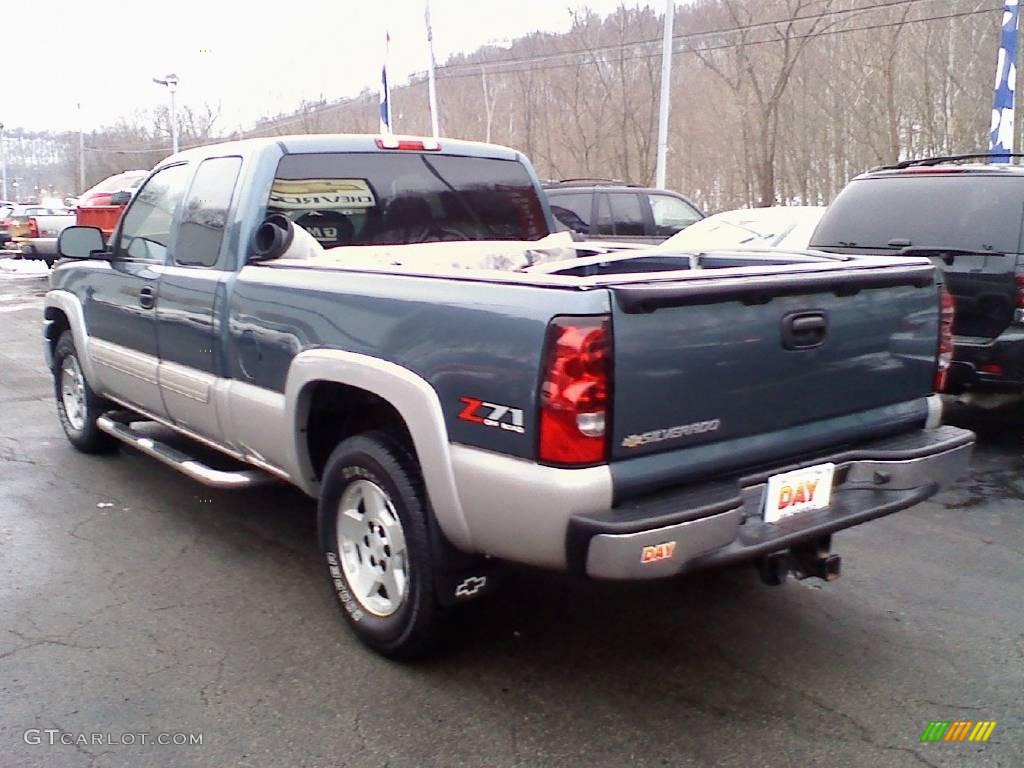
174,120
81,152
3,164
171,81
431,87
666,90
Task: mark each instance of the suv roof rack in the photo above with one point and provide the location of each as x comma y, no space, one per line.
927,161
597,182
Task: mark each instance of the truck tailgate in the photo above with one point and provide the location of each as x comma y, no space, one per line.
699,364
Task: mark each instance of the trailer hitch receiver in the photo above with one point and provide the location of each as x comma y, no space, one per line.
811,560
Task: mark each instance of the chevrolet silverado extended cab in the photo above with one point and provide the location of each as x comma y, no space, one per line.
390,325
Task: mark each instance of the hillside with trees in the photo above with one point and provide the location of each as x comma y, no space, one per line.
775,101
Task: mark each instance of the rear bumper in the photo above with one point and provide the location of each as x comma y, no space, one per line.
720,523
971,355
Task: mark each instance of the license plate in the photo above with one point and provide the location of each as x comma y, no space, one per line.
801,490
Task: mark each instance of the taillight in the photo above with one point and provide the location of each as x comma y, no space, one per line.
946,314
1020,291
33,228
393,142
574,392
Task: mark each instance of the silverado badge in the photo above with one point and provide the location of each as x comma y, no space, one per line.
671,433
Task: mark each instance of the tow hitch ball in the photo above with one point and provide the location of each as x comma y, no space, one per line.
804,561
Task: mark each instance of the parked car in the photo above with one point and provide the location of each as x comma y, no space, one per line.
32,219
457,389
34,231
968,219
101,206
777,227
5,210
609,210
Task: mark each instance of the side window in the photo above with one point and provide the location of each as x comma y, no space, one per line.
573,210
620,214
206,212
146,229
671,215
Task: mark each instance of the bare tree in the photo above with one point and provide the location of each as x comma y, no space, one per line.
749,69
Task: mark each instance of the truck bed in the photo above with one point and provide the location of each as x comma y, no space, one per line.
698,340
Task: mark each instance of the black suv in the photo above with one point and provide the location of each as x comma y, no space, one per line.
612,210
969,219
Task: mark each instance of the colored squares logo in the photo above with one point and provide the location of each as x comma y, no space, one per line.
958,730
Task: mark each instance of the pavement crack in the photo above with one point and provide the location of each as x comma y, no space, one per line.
93,756
861,733
215,683
73,533
947,705
35,642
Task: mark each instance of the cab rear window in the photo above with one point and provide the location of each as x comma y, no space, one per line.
960,211
373,198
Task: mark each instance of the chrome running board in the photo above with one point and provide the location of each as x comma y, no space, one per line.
187,465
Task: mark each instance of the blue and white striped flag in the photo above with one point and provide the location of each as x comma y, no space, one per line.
1001,135
385,91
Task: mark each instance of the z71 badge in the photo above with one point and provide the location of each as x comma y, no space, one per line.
492,415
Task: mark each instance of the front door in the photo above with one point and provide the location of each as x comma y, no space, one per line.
188,328
120,311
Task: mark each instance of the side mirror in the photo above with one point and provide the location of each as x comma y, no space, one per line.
81,243
121,198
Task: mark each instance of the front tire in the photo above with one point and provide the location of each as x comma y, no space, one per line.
78,407
375,540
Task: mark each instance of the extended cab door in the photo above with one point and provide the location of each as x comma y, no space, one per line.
189,326
120,310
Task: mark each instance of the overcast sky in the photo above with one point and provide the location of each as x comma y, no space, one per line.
254,57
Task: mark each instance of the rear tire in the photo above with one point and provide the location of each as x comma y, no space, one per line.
373,523
78,406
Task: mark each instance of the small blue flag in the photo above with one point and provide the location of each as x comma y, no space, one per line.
1001,132
385,92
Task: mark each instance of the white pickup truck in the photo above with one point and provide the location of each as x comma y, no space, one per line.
32,231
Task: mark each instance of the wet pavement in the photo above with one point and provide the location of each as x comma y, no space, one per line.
134,601
22,284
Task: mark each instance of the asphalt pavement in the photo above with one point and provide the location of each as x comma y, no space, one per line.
138,605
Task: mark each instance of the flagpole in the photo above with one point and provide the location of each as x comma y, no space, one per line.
1001,133
431,86
385,91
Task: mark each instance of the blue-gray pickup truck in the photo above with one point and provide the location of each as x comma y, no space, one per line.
394,326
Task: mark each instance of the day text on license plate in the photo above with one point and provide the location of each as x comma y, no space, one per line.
801,490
